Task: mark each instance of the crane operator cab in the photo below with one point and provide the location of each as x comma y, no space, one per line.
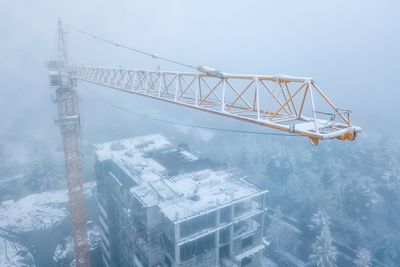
57,78
54,78
60,80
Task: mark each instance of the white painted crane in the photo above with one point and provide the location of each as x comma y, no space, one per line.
279,102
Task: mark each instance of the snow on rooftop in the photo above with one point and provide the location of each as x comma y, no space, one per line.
194,193
146,194
37,211
188,155
129,154
181,196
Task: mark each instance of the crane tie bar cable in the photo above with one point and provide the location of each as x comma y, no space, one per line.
130,48
186,124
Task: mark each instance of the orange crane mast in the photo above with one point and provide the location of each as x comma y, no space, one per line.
69,123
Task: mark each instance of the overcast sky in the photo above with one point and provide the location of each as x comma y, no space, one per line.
350,47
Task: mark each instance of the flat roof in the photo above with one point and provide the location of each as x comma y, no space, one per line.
180,183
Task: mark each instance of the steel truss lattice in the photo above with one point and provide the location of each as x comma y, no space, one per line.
292,104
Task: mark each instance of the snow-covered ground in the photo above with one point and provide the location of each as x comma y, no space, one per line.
64,253
38,211
13,254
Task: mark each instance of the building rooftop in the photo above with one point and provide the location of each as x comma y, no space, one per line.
180,183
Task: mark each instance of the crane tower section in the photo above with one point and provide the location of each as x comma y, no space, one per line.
69,123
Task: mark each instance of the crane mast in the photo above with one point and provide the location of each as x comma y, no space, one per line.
69,123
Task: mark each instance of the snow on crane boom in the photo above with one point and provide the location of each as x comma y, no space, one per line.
294,105
284,103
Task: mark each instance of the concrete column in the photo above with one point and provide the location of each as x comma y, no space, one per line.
217,222
177,251
231,231
263,215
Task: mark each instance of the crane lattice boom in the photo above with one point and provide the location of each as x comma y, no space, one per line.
284,103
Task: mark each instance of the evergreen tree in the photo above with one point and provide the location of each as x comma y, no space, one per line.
320,219
363,258
279,235
277,217
275,231
43,174
324,252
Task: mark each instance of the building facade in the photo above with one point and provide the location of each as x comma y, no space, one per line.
160,205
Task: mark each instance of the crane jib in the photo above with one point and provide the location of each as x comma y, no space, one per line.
278,102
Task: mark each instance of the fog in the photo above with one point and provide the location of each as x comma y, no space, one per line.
351,48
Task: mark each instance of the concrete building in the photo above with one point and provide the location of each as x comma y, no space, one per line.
160,205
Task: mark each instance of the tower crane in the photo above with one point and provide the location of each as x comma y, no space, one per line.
289,104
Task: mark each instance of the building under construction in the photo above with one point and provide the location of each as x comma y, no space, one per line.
161,205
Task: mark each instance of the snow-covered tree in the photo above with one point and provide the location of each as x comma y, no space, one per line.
275,232
277,217
361,196
279,235
324,252
391,178
43,174
363,258
320,219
